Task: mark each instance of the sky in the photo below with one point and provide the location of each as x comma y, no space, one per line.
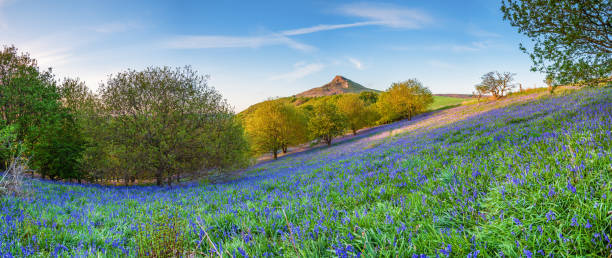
254,50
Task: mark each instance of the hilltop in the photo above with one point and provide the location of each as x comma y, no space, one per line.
341,85
338,85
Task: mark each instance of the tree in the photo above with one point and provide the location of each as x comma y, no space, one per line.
357,114
326,122
90,117
404,100
571,38
295,128
30,101
368,97
495,83
274,126
167,121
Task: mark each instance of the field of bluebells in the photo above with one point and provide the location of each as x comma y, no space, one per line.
532,180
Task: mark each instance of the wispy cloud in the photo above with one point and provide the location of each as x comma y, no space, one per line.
324,27
200,42
55,49
440,64
301,70
375,15
478,32
3,22
358,65
388,15
457,48
115,27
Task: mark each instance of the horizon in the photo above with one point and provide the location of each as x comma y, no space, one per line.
254,51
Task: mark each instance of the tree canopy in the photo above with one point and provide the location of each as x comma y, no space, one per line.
167,121
357,114
571,38
326,122
404,100
495,83
274,126
30,103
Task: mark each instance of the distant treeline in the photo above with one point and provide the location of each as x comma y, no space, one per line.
274,125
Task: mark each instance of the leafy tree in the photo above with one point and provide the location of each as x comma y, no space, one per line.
295,128
495,83
94,125
357,114
404,100
326,122
368,97
168,121
30,101
571,38
274,126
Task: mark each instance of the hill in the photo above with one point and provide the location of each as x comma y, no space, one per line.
341,85
338,85
475,179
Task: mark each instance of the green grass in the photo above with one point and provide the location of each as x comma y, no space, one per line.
441,102
530,178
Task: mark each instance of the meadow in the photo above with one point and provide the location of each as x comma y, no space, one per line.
441,102
529,179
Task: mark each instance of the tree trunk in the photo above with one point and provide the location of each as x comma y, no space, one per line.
158,178
275,154
354,132
328,140
284,149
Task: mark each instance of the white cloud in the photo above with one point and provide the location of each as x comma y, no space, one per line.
3,22
55,49
478,32
388,15
381,15
358,65
441,64
458,48
324,27
115,27
198,42
299,72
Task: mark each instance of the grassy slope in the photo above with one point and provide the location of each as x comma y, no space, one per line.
525,179
445,102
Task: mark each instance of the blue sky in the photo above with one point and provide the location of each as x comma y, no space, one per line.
253,50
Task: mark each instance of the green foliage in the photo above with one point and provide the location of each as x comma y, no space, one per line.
404,100
168,121
496,84
162,237
276,125
30,101
369,97
326,122
571,38
357,114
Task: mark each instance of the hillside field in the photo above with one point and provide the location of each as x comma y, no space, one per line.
445,102
532,177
